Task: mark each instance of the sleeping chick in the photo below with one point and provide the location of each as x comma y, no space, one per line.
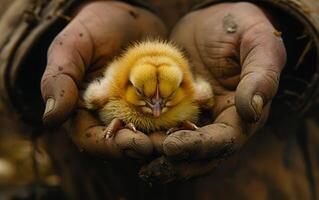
149,88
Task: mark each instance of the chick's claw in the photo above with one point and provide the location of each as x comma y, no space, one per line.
131,126
112,128
186,125
116,125
172,130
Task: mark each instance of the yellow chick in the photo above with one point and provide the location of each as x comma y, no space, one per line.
149,88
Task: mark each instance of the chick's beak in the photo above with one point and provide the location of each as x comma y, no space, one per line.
156,105
156,108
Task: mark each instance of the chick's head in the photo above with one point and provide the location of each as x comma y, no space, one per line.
157,84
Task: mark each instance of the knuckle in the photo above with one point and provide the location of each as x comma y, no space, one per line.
57,41
220,56
46,79
245,5
217,48
265,81
272,80
119,10
257,31
253,37
171,148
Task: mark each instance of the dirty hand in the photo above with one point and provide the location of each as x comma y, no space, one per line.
94,36
237,48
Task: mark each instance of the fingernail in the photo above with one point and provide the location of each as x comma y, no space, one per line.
49,106
257,103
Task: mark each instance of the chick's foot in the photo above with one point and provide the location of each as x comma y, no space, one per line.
112,128
116,125
131,126
186,125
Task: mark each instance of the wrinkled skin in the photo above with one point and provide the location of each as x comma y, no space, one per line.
77,55
239,65
243,65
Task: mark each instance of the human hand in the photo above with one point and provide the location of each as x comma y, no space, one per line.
236,47
79,54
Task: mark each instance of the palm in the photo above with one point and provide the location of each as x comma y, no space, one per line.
233,46
242,58
79,54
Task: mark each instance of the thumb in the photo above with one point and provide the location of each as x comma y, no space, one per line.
60,94
263,56
68,56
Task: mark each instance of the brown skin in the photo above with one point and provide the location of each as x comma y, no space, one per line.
239,65
79,54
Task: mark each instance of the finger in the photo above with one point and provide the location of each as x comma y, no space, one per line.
68,56
92,37
220,139
87,133
214,142
263,56
157,139
163,170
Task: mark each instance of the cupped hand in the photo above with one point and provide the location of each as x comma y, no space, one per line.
235,47
78,54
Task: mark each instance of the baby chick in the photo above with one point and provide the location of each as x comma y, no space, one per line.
149,88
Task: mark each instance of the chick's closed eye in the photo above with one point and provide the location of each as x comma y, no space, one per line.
134,97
